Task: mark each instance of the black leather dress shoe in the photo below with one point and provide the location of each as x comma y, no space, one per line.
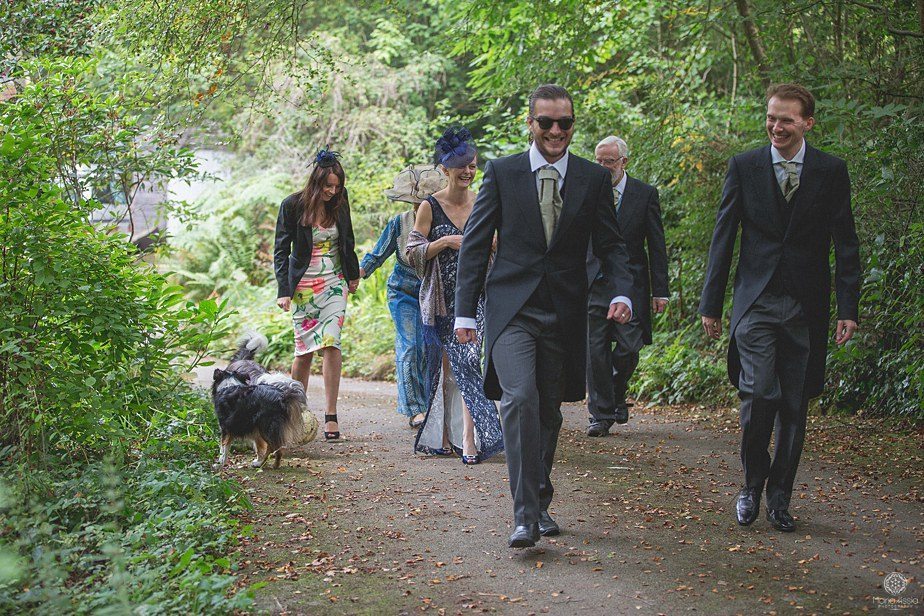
781,520
598,429
748,505
547,526
524,536
622,413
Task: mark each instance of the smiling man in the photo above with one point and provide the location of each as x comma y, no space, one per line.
791,203
545,205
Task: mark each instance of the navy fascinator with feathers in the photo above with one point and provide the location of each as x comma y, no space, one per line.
455,148
326,158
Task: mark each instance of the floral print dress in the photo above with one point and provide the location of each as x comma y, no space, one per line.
320,298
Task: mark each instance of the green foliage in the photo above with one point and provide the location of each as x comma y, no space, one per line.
674,371
150,536
90,339
94,345
369,332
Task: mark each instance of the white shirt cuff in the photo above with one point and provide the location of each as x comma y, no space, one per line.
466,323
625,300
667,299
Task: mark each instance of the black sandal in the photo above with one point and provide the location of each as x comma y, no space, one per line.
331,436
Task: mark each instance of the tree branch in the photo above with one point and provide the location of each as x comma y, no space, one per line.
753,38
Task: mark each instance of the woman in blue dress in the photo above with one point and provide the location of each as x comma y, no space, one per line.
459,417
411,185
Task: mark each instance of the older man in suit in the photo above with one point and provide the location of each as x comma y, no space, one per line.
791,203
545,204
609,366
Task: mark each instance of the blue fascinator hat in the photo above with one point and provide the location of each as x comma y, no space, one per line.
326,158
455,148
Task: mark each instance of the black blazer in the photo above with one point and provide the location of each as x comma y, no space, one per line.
639,220
508,203
292,253
799,247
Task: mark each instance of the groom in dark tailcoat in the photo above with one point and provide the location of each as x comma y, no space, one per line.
791,203
545,204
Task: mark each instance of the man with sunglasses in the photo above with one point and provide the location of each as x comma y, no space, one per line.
610,367
545,205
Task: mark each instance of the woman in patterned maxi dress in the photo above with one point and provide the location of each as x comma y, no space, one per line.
459,417
316,266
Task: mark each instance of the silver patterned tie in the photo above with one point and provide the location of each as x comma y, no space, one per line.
549,200
790,183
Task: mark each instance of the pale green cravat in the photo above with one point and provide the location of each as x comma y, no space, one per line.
549,199
790,184
618,197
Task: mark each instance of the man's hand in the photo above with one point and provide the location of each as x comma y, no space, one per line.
362,273
284,302
353,285
712,327
658,304
619,312
844,331
465,335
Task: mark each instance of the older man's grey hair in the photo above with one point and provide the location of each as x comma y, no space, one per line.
621,146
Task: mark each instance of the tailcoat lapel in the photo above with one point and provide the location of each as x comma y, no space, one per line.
627,209
809,184
527,198
576,184
765,183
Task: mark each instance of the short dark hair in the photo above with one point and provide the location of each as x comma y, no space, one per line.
549,92
794,92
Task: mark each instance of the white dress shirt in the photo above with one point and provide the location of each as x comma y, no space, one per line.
536,162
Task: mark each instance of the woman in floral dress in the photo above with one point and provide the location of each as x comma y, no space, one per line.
316,266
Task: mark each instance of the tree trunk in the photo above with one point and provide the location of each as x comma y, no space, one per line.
753,37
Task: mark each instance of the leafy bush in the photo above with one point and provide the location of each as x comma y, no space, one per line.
674,371
93,348
91,339
149,536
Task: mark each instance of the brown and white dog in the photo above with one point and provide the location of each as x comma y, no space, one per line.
251,403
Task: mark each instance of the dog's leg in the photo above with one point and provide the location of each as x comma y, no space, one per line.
224,446
262,448
278,458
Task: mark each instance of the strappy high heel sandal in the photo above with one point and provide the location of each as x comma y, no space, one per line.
331,436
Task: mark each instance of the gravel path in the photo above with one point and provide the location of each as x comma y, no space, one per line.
364,527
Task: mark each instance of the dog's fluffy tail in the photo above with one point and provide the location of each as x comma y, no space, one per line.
251,343
291,396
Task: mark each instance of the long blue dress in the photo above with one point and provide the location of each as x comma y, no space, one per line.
404,305
464,379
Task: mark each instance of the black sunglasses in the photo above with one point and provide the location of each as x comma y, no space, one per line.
545,122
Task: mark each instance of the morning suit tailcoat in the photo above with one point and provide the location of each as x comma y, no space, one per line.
639,218
294,242
508,203
792,240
